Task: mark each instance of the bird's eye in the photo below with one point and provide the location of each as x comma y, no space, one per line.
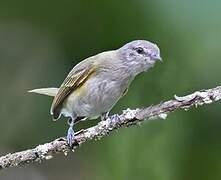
139,50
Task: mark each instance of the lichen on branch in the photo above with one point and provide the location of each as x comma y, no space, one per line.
127,118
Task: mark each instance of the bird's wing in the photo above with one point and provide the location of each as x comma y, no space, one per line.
75,79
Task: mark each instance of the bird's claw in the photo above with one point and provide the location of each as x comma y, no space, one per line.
70,137
115,118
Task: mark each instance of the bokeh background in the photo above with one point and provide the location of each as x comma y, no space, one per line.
40,41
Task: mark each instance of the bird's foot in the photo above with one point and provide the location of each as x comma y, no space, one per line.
70,137
115,118
70,133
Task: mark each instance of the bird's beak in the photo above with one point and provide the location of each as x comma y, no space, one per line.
157,58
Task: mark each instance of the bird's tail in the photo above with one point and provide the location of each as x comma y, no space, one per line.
46,91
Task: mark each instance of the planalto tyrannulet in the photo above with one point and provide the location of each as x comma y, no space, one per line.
94,85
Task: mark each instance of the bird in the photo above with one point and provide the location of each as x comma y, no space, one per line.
94,85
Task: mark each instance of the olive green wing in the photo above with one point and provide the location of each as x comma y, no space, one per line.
75,79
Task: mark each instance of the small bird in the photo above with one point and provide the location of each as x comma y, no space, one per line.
94,85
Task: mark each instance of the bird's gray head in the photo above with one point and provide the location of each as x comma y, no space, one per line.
139,55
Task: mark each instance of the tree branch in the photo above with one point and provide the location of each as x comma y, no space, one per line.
127,118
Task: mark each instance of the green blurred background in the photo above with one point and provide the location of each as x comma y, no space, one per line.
40,41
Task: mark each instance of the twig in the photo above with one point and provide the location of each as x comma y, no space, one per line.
127,118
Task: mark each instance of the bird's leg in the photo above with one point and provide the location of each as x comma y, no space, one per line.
70,133
104,116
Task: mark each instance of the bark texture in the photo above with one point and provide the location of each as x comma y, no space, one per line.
127,118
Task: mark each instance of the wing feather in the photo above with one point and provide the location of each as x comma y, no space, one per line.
74,80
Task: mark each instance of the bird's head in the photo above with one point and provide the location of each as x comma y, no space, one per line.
139,55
